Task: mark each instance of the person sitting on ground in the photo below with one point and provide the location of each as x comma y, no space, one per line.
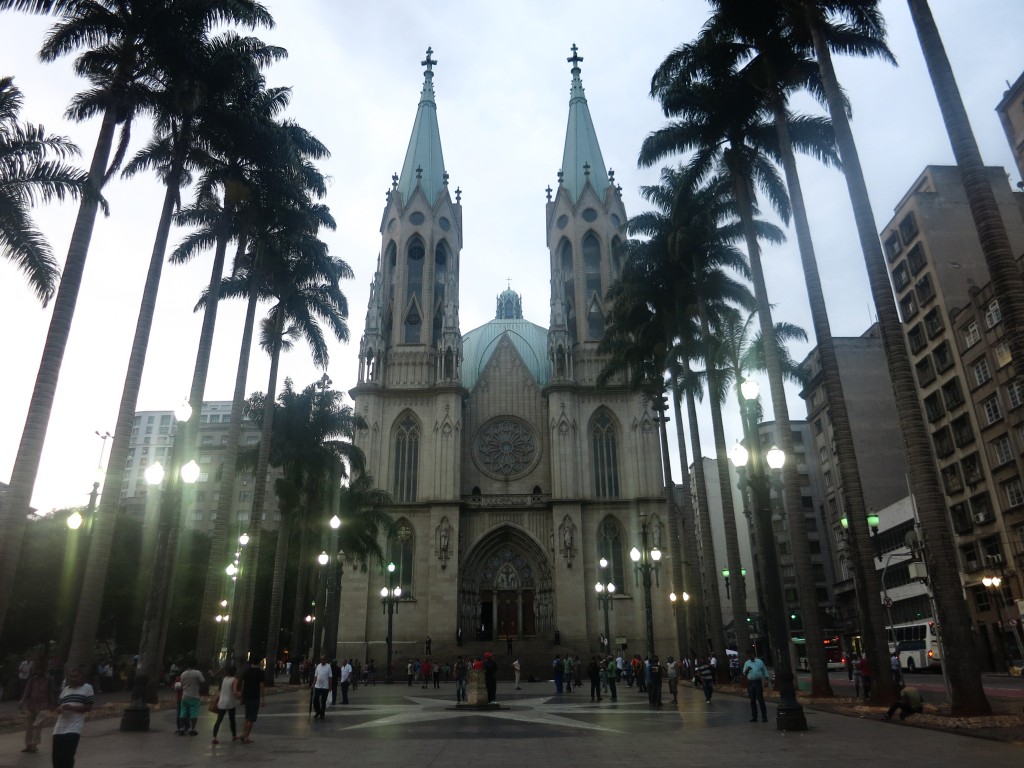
909,703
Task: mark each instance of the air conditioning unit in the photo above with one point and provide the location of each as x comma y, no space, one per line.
981,518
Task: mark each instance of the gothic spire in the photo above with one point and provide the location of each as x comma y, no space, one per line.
581,159
424,163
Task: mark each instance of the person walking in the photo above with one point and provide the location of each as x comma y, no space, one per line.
227,700
567,674
706,672
897,671
35,697
755,672
491,677
654,692
335,681
75,701
426,646
321,687
612,674
346,679
855,666
461,671
673,678
865,676
253,697
594,673
410,672
558,669
425,669
517,668
191,680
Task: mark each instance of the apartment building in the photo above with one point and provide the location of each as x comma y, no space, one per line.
967,388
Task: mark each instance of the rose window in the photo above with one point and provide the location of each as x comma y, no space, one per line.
506,448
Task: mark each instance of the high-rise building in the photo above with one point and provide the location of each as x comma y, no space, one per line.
512,474
969,393
1011,115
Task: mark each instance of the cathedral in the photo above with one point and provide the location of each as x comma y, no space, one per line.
513,475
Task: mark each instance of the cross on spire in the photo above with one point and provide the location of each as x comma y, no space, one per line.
429,62
575,59
508,282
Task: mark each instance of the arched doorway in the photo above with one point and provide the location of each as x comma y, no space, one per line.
506,587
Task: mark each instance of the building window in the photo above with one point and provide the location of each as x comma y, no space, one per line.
925,372
943,357
1002,450
1002,352
916,338
606,460
817,426
943,442
900,276
205,458
951,479
206,440
972,469
407,454
933,320
414,291
1013,493
981,599
925,291
401,550
971,334
908,307
908,227
828,478
992,313
981,508
893,246
609,546
993,412
932,407
981,371
244,496
1015,391
204,477
962,431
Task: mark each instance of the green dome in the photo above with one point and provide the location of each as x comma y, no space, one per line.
529,339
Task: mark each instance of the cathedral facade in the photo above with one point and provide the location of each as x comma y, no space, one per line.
512,473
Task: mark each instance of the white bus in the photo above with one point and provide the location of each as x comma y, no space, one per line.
917,644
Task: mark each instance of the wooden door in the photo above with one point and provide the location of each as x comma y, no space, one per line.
508,614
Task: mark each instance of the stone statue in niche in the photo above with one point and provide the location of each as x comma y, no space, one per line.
656,533
444,536
567,540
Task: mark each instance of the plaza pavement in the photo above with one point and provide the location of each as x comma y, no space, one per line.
401,727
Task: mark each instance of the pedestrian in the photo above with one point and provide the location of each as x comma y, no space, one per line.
491,677
191,680
655,682
458,637
426,645
706,673
673,678
558,637
897,671
558,669
437,675
755,672
24,672
346,678
321,687
567,675
910,701
577,672
517,668
75,701
230,692
610,666
461,671
35,697
335,680
594,673
253,697
425,669
865,676
410,672
508,644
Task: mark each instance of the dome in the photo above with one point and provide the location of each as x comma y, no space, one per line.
529,339
510,306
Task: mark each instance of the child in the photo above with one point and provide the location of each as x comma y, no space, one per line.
183,720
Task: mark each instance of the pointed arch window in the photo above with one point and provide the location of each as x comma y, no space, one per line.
609,546
414,290
617,255
390,262
566,266
605,458
407,456
595,321
592,265
401,551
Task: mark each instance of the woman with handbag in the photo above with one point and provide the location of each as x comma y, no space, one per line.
226,702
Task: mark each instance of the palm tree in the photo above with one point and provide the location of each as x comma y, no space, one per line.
126,49
995,244
817,21
304,280
312,444
203,89
32,171
726,122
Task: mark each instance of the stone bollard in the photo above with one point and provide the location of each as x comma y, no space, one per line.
476,689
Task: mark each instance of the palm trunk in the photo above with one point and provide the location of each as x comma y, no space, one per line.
674,532
710,601
250,557
83,640
966,692
995,244
277,593
297,648
738,592
15,504
218,540
687,531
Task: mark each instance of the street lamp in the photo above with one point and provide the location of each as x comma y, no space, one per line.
389,597
790,715
645,564
725,575
685,597
332,601
994,583
605,593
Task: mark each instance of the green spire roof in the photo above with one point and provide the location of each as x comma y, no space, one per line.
581,147
424,163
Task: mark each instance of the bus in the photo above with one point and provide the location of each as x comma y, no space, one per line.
834,656
918,645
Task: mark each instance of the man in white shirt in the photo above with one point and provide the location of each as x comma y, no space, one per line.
191,680
346,674
75,700
321,685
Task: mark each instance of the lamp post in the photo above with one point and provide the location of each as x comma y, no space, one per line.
605,593
389,597
645,564
333,597
726,573
790,715
674,598
995,584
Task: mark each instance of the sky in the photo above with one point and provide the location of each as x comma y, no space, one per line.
502,88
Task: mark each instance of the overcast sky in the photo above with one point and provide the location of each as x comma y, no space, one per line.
502,85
